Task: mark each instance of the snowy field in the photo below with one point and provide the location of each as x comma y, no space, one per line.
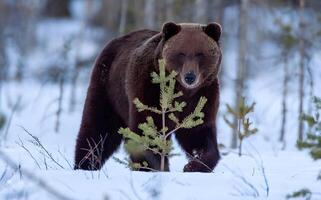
264,172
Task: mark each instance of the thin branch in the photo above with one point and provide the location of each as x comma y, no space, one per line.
92,150
246,182
36,139
267,187
133,188
64,157
21,144
3,173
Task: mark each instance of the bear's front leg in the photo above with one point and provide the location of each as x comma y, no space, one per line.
200,145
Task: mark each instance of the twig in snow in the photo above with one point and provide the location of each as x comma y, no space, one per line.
246,182
21,144
94,153
133,188
64,157
45,152
45,162
240,191
3,173
261,164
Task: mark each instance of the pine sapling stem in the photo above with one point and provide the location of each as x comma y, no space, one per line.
240,137
162,162
240,147
162,167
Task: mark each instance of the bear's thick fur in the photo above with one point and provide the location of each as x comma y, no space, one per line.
122,73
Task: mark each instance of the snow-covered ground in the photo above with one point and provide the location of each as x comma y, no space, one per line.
264,172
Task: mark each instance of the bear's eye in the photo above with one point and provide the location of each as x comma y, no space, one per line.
180,55
179,58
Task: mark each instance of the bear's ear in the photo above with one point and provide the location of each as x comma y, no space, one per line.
170,29
213,30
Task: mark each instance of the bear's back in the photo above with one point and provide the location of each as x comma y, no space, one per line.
117,53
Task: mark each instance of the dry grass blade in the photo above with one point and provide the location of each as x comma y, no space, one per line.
21,144
38,143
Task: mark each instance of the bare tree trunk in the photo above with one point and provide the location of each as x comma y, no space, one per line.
123,16
220,6
311,84
60,99
241,68
78,64
150,13
302,69
284,97
3,62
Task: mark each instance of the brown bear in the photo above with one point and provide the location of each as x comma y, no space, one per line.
122,73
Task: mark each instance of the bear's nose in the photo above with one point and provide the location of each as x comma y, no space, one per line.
190,77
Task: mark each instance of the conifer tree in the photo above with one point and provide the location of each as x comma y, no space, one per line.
287,41
156,139
312,142
242,128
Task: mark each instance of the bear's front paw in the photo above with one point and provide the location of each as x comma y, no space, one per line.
196,166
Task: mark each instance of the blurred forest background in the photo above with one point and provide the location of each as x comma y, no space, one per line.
56,42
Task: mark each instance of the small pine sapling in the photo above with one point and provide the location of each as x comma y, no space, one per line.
313,140
243,127
156,139
313,143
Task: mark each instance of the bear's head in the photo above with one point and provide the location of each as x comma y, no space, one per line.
192,50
